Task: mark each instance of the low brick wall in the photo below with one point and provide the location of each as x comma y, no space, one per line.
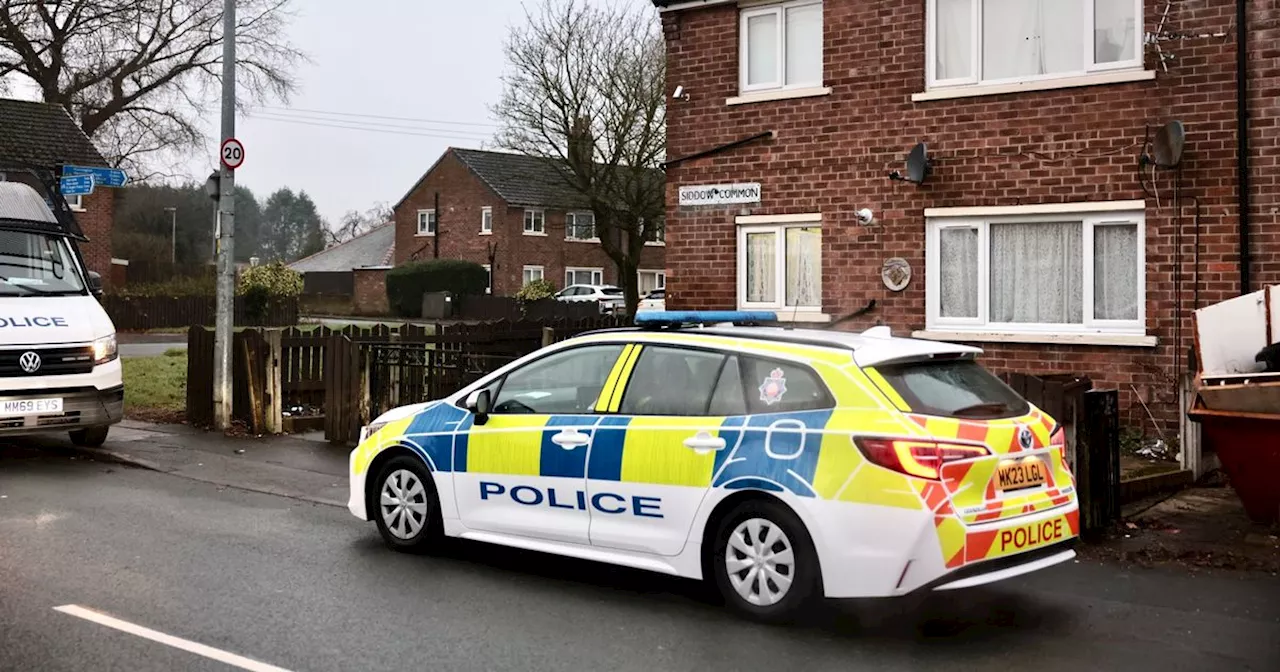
370,295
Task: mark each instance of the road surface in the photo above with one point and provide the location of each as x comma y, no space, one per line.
152,571
149,349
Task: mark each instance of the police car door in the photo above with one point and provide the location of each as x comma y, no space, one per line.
652,463
524,470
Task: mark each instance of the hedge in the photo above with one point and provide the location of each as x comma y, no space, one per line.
407,283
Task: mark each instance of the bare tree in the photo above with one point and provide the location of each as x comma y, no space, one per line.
355,223
136,74
585,87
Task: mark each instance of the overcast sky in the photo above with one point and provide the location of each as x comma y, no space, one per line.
437,60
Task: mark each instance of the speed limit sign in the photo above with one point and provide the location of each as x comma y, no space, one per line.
232,153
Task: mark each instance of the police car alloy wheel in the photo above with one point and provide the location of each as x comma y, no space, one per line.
405,505
764,563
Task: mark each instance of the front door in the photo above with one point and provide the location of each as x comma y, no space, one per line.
652,463
524,471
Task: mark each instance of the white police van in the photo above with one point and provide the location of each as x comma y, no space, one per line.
59,367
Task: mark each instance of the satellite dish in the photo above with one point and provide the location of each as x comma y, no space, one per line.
1166,149
919,166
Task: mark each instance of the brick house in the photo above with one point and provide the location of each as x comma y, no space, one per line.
1038,235
355,269
39,136
513,214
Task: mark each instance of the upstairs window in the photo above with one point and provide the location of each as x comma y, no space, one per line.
486,219
1013,41
781,46
535,223
426,222
580,226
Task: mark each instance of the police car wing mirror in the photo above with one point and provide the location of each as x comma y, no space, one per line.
478,402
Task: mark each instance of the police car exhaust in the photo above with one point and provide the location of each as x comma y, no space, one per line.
780,465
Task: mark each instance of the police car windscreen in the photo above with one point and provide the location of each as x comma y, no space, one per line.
37,264
960,388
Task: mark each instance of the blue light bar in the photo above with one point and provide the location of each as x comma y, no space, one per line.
675,318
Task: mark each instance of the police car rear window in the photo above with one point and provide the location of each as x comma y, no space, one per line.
958,389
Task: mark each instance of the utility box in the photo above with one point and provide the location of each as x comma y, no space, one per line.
437,305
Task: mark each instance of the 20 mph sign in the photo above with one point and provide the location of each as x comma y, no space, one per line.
232,153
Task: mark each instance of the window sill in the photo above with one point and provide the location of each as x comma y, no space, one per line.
791,315
424,235
778,94
1119,340
581,240
975,90
536,233
486,233
78,208
650,243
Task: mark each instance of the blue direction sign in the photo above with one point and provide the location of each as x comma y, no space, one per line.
107,177
76,185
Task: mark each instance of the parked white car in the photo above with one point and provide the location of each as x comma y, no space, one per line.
608,297
654,300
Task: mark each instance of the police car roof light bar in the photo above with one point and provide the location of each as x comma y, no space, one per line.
677,318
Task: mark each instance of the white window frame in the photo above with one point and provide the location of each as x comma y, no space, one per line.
1089,220
1088,66
569,225
486,220
660,279
538,214
779,228
660,240
780,10
430,220
530,269
489,288
75,202
597,275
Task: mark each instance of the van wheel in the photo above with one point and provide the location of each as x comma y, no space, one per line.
405,505
764,563
90,437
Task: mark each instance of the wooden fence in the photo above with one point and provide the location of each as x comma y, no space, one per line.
139,313
279,374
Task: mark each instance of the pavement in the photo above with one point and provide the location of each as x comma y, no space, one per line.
249,558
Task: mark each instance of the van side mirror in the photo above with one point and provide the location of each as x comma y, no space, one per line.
95,283
478,402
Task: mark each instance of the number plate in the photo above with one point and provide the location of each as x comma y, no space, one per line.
31,407
1020,474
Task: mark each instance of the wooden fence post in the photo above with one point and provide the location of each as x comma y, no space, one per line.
275,408
1098,460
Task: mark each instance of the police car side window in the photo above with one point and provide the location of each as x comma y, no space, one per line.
671,381
728,398
775,386
565,382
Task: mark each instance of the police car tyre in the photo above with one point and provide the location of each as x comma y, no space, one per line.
405,505
764,564
90,437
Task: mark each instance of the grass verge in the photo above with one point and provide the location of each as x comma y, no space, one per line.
155,388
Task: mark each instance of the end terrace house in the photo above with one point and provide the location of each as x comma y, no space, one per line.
1055,223
40,136
517,216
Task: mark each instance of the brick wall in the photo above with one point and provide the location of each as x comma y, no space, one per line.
832,153
369,296
462,198
96,221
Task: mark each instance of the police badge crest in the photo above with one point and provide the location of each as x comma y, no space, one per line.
773,387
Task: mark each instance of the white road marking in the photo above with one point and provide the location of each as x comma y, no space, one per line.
168,640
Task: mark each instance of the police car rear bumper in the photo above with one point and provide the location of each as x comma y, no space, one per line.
81,407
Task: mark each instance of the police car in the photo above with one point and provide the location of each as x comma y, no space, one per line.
780,464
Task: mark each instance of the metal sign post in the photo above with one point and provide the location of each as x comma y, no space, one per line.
223,324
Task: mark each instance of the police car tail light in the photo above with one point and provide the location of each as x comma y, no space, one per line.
922,459
1058,439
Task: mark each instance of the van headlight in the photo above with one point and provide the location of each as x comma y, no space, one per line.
105,350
